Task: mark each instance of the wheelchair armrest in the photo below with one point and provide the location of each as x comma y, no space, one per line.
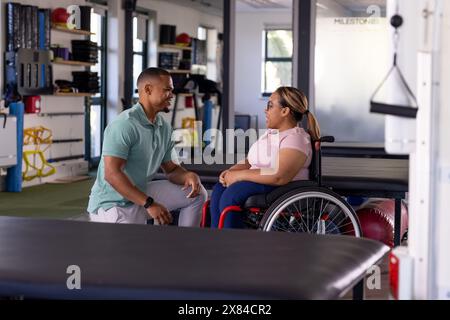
329,139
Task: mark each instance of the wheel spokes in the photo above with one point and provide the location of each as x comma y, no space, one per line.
308,217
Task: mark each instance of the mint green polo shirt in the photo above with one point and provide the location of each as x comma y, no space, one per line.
144,145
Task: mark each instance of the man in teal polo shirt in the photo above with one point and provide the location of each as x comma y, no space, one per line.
136,144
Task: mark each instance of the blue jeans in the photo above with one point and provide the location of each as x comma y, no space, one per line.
234,195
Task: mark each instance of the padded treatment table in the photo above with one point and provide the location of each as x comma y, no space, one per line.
153,262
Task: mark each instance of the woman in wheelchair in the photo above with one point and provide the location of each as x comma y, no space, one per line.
283,154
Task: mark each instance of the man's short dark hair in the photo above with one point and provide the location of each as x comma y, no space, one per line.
150,73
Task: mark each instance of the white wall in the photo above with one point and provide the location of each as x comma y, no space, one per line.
249,55
400,133
186,19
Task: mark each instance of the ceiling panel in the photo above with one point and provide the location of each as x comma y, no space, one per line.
263,5
360,5
214,7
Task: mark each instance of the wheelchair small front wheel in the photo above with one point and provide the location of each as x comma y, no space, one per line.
313,210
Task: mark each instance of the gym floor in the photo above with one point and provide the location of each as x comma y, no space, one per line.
52,201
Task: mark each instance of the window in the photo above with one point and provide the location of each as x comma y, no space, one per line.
201,33
277,60
96,109
139,51
211,36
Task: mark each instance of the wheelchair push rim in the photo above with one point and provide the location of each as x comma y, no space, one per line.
312,211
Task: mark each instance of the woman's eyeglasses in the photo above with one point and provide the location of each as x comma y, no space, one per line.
269,106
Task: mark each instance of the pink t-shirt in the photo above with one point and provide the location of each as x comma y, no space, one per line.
264,152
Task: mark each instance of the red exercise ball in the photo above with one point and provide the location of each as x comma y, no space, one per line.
60,16
183,39
377,220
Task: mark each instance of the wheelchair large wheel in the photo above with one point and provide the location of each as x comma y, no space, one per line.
313,210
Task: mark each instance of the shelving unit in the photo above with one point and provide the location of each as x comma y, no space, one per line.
73,94
67,140
72,31
175,47
178,71
59,61
63,113
60,114
73,63
181,50
68,151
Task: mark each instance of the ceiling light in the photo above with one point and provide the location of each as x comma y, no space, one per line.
321,6
264,4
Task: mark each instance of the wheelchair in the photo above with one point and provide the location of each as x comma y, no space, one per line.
299,206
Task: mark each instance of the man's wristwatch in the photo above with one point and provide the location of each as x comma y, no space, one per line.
148,202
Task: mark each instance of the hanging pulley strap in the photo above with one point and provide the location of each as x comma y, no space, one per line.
406,111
